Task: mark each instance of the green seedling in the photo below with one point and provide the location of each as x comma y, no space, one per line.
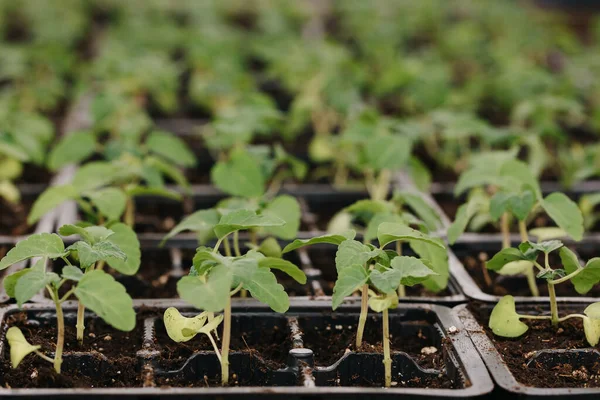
513,193
24,139
380,274
94,288
505,321
588,204
215,278
106,190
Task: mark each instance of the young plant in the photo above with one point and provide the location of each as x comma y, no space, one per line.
94,288
24,139
356,262
505,321
105,190
215,278
514,193
379,273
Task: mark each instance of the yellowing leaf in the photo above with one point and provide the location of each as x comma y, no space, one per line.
19,346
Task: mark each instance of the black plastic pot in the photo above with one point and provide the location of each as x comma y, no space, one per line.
474,244
508,384
296,375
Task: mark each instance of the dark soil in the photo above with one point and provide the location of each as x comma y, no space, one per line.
516,285
271,344
330,344
13,218
543,336
34,173
118,369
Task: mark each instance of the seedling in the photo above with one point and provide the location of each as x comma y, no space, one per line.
24,139
94,288
505,321
588,204
515,193
378,273
215,278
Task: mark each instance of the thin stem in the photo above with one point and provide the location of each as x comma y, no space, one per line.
504,228
217,245
553,304
382,186
60,341
226,247
66,260
237,289
130,212
535,316
225,343
538,266
214,344
341,174
253,238
401,288
45,357
387,359
80,322
530,274
566,317
236,244
99,265
566,277
362,319
523,231
67,295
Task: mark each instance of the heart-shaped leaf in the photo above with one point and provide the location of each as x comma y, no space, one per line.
180,328
19,346
504,320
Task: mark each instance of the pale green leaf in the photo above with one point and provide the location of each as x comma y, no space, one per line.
565,213
334,239
244,219
264,287
287,208
389,232
202,222
170,147
19,346
180,328
49,200
504,320
110,201
285,266
240,176
127,241
72,149
47,245
210,295
348,281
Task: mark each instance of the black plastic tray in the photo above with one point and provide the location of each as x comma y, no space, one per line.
476,243
298,377
507,384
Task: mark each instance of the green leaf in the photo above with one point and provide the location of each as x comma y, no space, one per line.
285,266
202,222
422,210
180,328
591,327
465,213
380,303
349,280
47,245
352,252
49,200
420,174
475,177
547,246
388,152
506,256
72,149
30,284
565,213
11,281
517,175
168,170
519,205
90,254
389,232
593,311
19,346
211,294
373,226
9,191
127,241
72,273
264,287
504,320
515,268
244,219
95,175
586,279
270,247
110,202
334,239
240,176
99,292
142,191
436,259
170,147
91,234
407,271
287,208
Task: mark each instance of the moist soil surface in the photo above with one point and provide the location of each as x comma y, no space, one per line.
331,344
516,285
115,352
13,218
541,335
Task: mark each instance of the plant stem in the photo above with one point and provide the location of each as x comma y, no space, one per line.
80,322
523,231
387,359
504,228
382,185
553,304
227,247
253,238
236,244
530,273
225,343
130,212
566,277
401,288
341,174
362,319
60,340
